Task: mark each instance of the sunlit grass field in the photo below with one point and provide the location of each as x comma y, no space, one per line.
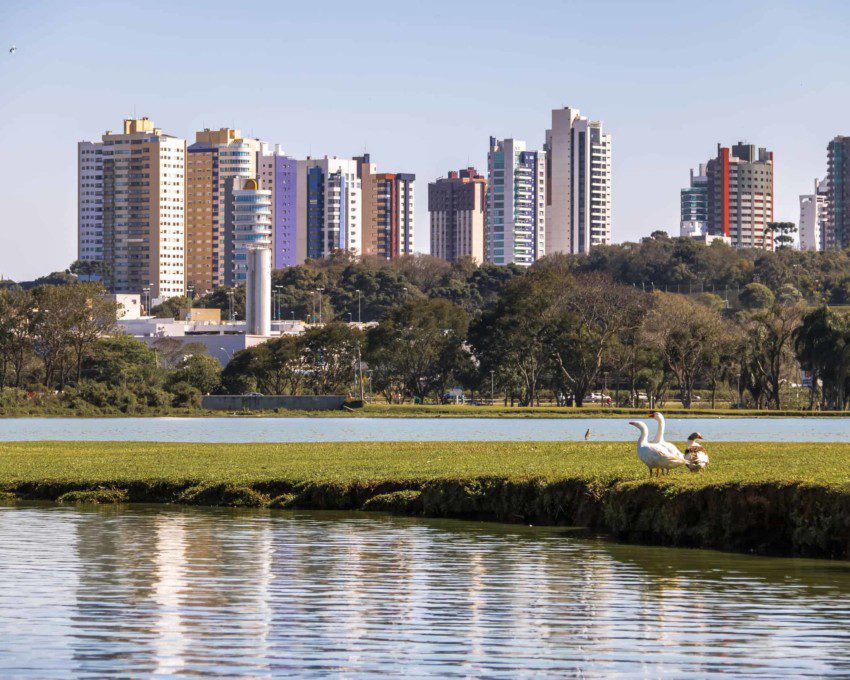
370,463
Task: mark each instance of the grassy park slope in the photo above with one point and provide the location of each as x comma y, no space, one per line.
756,497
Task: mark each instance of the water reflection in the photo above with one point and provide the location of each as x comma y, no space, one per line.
151,591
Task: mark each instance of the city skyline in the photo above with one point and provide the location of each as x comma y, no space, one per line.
79,69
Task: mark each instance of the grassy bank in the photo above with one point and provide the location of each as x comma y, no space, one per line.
379,410
764,498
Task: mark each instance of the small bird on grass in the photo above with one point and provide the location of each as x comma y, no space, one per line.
696,458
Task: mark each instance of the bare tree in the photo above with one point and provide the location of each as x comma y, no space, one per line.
687,335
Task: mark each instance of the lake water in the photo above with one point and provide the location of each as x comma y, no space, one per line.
147,591
236,430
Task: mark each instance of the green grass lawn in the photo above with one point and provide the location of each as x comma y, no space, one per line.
369,463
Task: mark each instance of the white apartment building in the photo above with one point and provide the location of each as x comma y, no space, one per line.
89,201
329,206
144,210
814,214
578,175
516,196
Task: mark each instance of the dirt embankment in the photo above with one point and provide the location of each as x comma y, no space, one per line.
766,518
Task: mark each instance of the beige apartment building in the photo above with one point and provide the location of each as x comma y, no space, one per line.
216,157
143,211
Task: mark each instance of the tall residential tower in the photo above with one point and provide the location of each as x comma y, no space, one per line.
144,210
838,193
740,195
216,157
387,210
814,217
694,205
516,196
90,201
329,214
278,173
578,177
457,207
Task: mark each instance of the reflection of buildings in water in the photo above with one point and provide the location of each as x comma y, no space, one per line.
227,584
112,618
160,588
170,582
39,572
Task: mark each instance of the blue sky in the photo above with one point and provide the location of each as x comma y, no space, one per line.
421,86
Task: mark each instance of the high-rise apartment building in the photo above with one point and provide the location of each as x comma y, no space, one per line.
456,205
740,195
814,217
251,211
578,180
329,215
213,160
837,234
278,173
392,228
387,210
694,205
516,197
144,210
90,201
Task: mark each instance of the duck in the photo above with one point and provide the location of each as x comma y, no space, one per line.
653,455
696,458
659,435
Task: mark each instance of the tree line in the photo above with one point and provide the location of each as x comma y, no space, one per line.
558,331
561,329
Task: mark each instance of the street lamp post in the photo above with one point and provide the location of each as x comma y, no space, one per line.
492,387
320,303
277,300
359,315
231,304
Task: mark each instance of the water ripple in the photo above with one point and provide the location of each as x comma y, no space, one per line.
159,592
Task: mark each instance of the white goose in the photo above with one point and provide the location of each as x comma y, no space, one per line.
654,456
659,436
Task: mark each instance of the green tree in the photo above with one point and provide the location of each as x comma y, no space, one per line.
783,234
768,344
822,346
756,296
331,352
170,308
419,345
587,317
16,339
200,371
512,339
120,360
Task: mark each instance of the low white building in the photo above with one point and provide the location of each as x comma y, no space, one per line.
222,340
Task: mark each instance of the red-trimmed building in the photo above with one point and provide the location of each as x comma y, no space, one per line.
740,195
